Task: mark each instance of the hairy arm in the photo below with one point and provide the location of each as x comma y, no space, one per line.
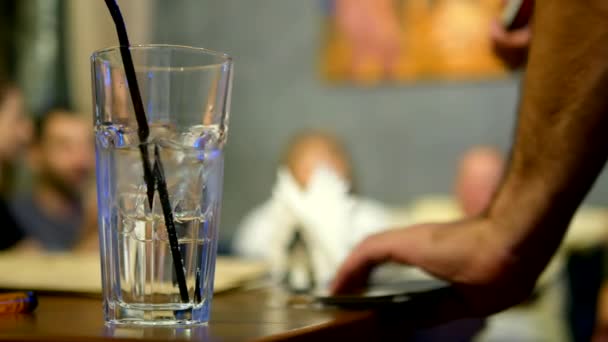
560,148
561,143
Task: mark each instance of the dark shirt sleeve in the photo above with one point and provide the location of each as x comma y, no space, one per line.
10,233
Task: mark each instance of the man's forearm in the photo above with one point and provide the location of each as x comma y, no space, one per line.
561,141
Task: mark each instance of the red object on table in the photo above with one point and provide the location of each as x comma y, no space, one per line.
17,302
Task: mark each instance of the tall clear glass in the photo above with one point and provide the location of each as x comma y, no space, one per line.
186,95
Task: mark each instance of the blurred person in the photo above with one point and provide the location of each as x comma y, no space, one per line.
313,218
479,175
61,159
15,134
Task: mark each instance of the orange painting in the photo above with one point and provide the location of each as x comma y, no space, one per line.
370,41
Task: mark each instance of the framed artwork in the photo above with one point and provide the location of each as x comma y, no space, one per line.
372,41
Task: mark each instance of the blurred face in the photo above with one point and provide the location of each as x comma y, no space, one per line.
15,127
315,152
64,156
479,176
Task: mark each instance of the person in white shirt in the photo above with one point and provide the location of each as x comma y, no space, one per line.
313,218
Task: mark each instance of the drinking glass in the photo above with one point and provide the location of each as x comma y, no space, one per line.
148,278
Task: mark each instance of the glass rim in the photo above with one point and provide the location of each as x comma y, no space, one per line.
223,58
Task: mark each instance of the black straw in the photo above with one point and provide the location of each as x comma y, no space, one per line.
143,130
143,133
163,194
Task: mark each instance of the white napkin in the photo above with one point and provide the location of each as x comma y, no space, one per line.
323,211
330,219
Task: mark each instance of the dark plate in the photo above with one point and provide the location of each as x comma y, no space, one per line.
380,295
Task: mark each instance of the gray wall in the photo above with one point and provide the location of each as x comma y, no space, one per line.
405,139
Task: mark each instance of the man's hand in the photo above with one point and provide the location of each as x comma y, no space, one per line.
468,254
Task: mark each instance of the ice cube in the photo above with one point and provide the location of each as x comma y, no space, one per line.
157,208
142,230
112,135
171,151
160,231
127,225
189,137
133,203
200,137
105,138
161,131
123,136
187,207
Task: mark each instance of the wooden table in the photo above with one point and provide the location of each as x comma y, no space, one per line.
262,314
238,315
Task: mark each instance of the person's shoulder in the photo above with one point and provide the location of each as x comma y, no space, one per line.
12,232
25,212
6,210
22,204
22,198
